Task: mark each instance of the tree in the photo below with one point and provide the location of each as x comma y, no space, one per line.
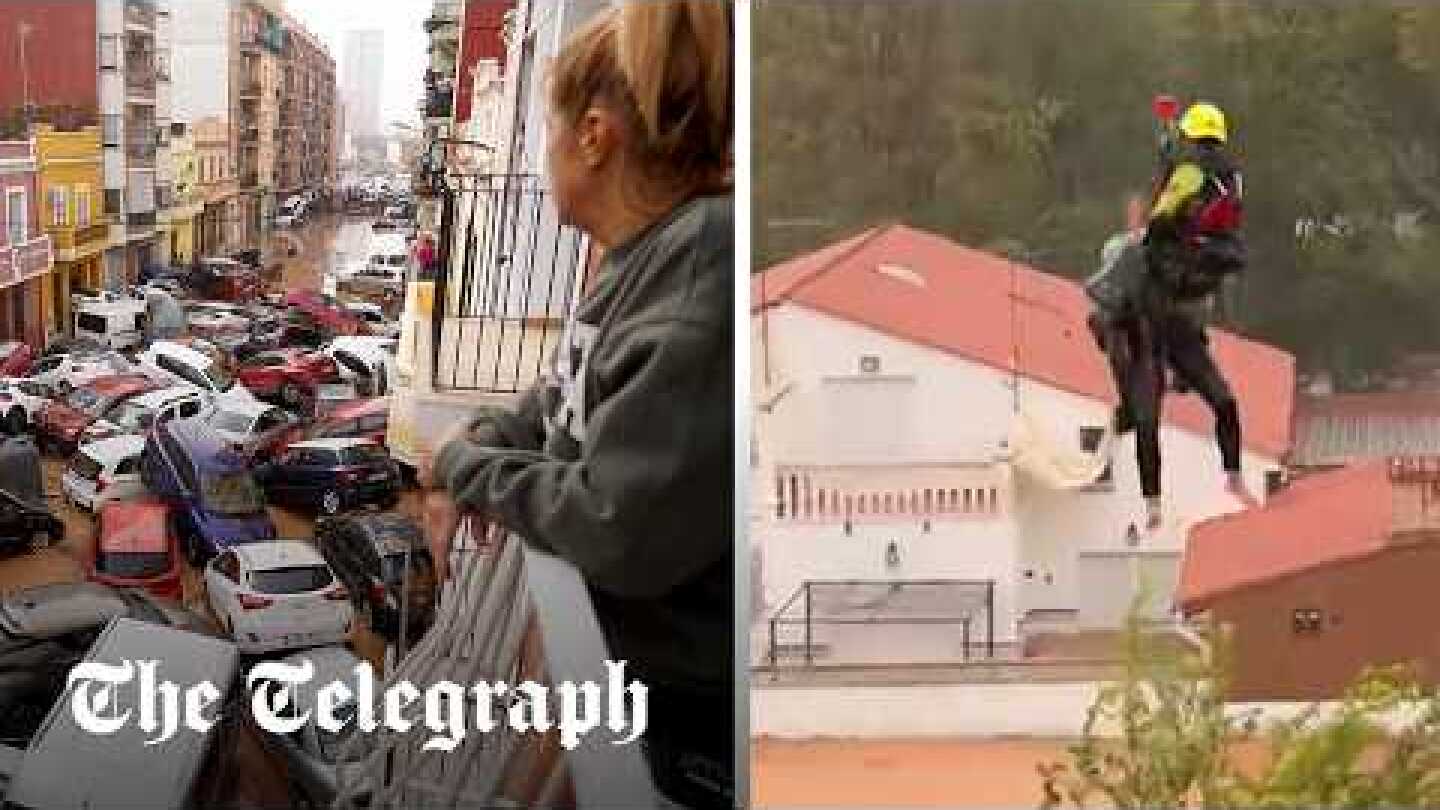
997,123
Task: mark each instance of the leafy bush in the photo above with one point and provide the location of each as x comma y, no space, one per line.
1161,737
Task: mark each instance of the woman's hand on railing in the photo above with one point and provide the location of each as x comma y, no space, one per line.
441,517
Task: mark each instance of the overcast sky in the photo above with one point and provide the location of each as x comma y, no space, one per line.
405,42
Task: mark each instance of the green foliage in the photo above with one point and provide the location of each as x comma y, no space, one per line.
1160,737
1027,124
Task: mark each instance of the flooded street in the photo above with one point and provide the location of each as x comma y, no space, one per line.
249,777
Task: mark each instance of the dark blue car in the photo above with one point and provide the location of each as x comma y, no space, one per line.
217,502
332,475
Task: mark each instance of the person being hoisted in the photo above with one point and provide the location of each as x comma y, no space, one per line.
1154,289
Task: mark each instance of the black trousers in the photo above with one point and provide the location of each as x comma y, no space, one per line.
1140,349
690,745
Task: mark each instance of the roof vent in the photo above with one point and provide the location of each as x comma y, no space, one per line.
901,272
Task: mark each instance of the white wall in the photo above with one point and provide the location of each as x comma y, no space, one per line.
961,410
977,549
200,62
1046,710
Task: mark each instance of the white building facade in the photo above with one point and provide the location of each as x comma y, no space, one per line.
884,458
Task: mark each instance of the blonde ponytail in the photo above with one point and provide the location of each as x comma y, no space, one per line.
666,67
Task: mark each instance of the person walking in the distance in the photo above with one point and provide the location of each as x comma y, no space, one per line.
623,465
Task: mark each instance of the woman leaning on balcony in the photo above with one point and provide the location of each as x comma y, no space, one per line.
623,465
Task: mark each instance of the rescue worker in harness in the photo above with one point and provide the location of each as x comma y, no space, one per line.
1154,287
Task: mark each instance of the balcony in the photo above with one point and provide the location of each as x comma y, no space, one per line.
140,85
68,238
439,103
507,291
140,15
884,493
436,22
25,260
140,223
512,614
140,154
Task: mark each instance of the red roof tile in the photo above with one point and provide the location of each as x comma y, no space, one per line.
1325,518
962,305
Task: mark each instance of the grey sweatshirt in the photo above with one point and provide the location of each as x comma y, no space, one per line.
623,465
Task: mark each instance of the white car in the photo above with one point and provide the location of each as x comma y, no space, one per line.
104,471
209,319
374,316
135,416
66,371
173,364
365,360
21,399
247,424
277,596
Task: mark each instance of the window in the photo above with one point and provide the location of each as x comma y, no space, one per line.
1090,438
15,225
82,206
869,364
1308,620
114,200
232,494
133,563
110,129
89,322
109,51
229,566
292,579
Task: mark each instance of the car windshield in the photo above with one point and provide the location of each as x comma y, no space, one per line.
132,563
83,399
235,494
220,377
86,467
291,579
132,416
231,422
363,454
394,565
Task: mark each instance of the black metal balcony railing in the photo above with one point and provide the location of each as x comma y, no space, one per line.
439,103
435,22
507,272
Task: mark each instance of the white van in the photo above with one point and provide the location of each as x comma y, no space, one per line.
389,255
173,364
118,324
104,471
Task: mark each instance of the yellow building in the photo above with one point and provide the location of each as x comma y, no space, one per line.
189,202
72,211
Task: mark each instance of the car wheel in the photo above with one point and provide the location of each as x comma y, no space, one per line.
15,422
331,503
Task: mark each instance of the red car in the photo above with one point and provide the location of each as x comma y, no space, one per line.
359,419
227,280
325,313
16,359
61,422
290,374
135,548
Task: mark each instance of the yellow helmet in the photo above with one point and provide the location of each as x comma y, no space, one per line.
1203,120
